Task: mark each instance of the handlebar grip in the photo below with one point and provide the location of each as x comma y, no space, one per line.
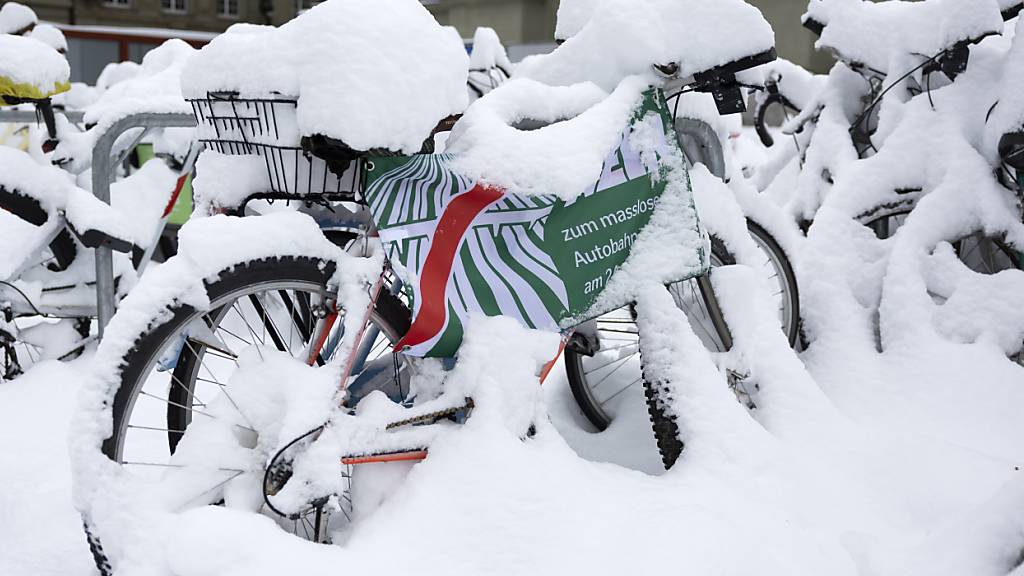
813,25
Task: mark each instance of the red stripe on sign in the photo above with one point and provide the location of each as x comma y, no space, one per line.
437,268
177,191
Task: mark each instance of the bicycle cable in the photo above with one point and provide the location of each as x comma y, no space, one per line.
878,99
27,299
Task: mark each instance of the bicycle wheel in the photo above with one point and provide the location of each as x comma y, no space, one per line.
174,369
602,367
981,253
990,255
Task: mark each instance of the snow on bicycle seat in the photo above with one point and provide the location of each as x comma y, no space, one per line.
30,70
375,74
17,19
863,33
607,41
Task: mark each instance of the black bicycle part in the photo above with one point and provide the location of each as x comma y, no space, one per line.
721,82
31,210
1011,149
774,97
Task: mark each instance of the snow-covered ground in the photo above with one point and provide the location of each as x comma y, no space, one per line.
908,464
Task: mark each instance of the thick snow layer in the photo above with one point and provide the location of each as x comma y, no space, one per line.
47,184
572,16
627,37
390,96
29,61
15,17
153,86
117,72
224,181
50,35
914,475
874,33
136,207
1008,114
564,157
488,51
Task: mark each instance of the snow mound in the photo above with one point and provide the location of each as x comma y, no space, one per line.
31,69
392,96
153,86
50,35
488,51
573,15
627,37
21,173
871,33
15,18
564,157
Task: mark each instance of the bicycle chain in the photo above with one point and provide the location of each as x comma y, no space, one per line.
432,416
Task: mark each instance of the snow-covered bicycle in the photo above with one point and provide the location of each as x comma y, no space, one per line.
369,266
49,224
884,59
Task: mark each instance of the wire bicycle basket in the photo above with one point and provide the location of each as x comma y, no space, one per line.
268,128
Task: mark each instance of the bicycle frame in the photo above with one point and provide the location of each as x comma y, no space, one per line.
707,149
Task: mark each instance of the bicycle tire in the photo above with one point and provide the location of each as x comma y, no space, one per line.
238,280
664,422
230,285
1000,256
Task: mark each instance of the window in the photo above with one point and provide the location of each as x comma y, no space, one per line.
175,6
117,3
228,8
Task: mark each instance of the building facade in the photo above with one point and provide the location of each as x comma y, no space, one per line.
103,31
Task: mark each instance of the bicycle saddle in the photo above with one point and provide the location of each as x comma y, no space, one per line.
30,70
339,155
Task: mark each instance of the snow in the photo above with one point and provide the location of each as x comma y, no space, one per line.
136,205
47,184
572,16
488,51
627,37
29,61
152,87
489,65
876,33
15,17
50,35
392,96
564,157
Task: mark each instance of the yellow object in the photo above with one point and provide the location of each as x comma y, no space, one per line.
27,91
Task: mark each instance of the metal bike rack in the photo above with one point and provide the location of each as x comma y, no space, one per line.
30,116
103,167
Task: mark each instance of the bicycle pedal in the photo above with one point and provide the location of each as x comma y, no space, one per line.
743,388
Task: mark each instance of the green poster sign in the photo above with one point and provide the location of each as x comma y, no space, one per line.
464,248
